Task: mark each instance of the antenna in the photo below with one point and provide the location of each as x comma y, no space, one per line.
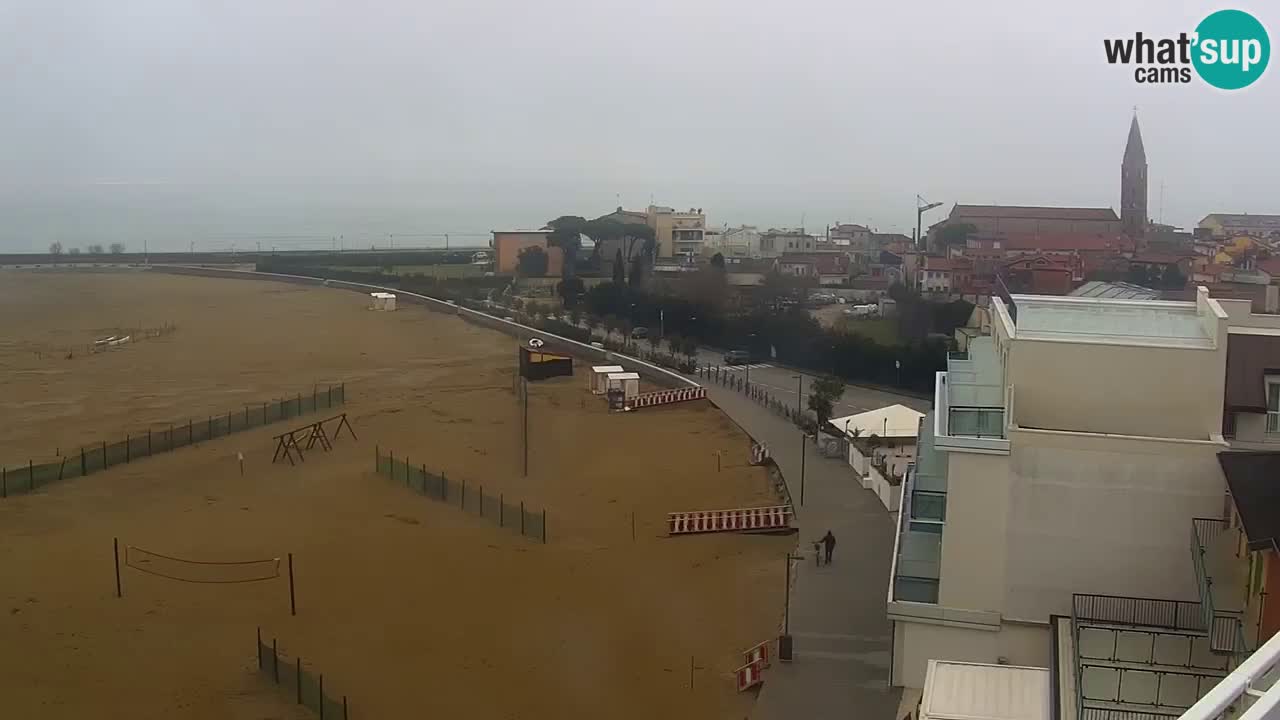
1161,202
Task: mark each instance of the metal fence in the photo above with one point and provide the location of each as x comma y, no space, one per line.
135,446
305,684
471,498
728,377
1148,612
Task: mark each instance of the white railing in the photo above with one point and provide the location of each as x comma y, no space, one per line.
1248,693
1273,421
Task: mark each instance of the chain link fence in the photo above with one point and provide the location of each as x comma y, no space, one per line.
470,498
135,446
305,683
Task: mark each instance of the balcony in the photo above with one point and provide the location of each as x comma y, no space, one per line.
1138,658
918,546
1222,578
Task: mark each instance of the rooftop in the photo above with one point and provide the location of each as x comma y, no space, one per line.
1035,212
897,421
1252,355
1115,291
1245,220
976,691
1105,320
1252,479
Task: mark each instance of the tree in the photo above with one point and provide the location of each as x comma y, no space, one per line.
610,324
532,262
654,341
717,261
94,249
566,234
824,392
55,249
957,234
75,251
689,346
619,272
575,316
117,248
593,322
570,290
675,343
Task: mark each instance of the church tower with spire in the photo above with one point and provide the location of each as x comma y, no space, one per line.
1133,184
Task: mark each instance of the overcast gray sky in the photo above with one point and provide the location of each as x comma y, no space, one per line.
209,118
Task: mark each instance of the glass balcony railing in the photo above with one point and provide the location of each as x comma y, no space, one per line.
975,422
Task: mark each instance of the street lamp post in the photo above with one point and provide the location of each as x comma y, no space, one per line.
804,435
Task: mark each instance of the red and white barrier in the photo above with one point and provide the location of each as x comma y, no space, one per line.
759,453
749,675
663,397
776,517
757,654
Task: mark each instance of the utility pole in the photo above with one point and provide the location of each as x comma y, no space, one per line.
922,206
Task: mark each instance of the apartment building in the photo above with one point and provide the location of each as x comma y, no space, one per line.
677,233
1066,454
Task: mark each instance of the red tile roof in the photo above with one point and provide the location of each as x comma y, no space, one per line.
937,262
1034,212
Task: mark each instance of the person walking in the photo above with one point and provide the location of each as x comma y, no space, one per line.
828,546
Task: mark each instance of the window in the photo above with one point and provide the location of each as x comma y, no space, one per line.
1273,404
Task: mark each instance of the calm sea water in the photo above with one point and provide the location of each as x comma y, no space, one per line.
223,217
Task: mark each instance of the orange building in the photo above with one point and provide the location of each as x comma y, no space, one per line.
508,244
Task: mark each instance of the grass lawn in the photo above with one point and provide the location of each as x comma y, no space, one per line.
437,271
882,330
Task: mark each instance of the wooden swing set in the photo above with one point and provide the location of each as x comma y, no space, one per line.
308,436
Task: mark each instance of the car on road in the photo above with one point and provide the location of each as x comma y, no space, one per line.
737,357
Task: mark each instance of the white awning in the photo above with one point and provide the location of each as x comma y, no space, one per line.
893,421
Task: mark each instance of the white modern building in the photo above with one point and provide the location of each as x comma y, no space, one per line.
1065,457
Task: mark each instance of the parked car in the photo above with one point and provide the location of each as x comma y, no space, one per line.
640,333
737,357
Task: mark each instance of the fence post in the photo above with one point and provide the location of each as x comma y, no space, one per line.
84,466
330,396
31,474
377,459
544,526
464,493
4,483
502,510
444,488
406,471
209,433
191,438
275,661
115,550
148,442
128,440
298,676
246,417
299,403
293,604
259,648
104,454
344,707
482,501
321,677
264,413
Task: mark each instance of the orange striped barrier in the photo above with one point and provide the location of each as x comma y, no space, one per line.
749,675
759,653
777,517
664,397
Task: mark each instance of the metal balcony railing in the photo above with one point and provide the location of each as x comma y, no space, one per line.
1146,612
1273,421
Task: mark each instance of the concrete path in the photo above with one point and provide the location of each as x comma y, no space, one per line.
842,639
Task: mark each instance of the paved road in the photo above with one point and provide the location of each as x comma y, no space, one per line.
842,638
781,382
